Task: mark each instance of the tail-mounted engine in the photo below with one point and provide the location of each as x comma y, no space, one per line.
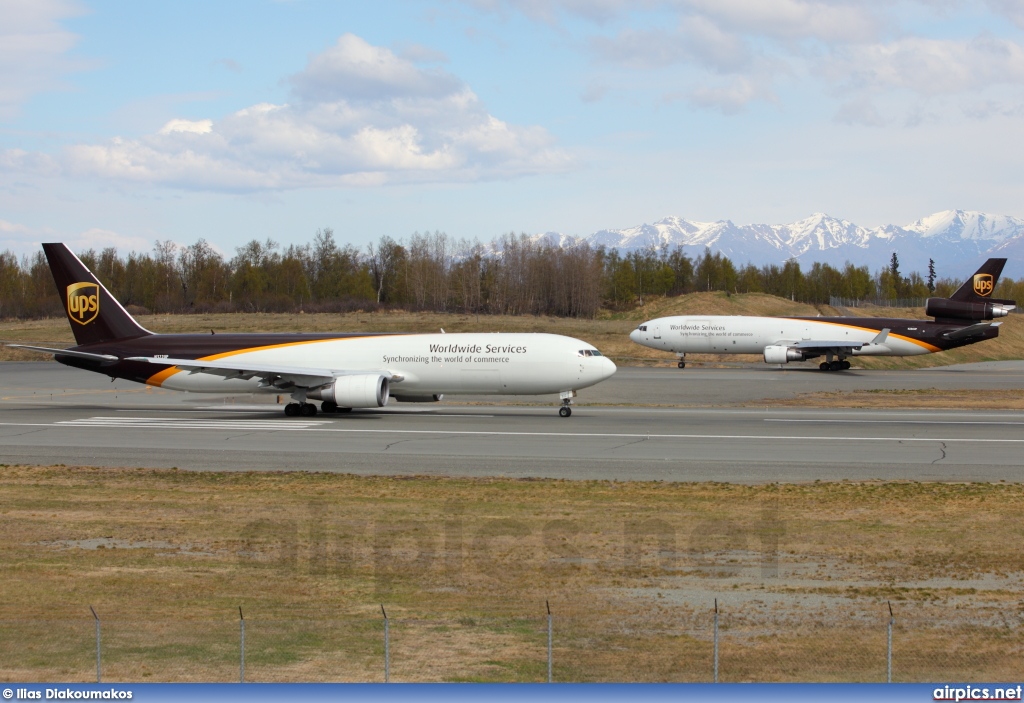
369,390
945,308
778,354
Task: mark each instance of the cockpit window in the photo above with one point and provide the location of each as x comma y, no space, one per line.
588,352
643,328
595,352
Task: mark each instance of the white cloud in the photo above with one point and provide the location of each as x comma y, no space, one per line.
33,49
361,116
729,98
930,66
190,126
860,111
695,41
353,69
789,20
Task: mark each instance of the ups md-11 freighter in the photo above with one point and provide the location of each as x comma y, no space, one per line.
963,318
343,371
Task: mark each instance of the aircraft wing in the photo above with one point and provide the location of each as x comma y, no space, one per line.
104,359
970,331
272,374
823,345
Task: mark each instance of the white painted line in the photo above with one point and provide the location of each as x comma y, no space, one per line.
299,427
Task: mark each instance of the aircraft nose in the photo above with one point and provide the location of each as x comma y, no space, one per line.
635,335
608,368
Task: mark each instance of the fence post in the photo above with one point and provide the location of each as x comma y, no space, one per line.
99,649
888,654
387,646
241,646
548,605
716,640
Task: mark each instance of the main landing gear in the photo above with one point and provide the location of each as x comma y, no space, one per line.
303,409
840,365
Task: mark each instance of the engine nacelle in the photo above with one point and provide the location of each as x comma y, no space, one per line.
778,354
959,310
366,390
419,398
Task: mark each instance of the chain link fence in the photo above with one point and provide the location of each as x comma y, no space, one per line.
692,647
838,302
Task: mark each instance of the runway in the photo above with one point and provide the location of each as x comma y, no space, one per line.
50,414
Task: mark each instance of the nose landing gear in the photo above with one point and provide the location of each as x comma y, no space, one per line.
682,361
566,396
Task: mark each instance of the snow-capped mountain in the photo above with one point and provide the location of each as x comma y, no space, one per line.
956,239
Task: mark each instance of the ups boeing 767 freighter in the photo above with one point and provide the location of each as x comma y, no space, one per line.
963,318
342,371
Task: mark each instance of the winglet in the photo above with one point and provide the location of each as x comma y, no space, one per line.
881,336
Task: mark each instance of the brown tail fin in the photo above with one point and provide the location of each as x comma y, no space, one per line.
95,314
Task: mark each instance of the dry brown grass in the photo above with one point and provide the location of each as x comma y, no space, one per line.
464,567
967,399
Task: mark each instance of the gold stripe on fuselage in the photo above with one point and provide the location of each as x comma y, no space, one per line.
918,342
158,378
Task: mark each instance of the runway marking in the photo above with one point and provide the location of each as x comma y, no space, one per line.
894,422
193,423
319,426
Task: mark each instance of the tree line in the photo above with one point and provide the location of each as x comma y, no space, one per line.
514,275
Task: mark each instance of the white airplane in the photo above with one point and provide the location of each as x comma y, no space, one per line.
962,319
343,371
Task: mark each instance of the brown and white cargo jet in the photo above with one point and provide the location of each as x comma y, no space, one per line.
343,371
963,318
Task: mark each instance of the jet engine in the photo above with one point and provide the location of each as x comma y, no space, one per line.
367,390
778,354
959,310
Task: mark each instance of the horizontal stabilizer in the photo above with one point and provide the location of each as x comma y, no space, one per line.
105,359
970,331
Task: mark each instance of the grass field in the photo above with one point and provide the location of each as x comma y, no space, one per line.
802,574
609,332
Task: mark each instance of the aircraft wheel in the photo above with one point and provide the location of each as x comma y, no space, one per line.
846,365
825,366
836,366
291,410
565,411
328,407
307,410
682,364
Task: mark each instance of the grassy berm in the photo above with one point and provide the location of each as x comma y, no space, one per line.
609,332
802,574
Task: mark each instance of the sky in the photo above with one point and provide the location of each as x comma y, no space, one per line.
126,123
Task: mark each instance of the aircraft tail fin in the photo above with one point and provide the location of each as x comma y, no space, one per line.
95,314
979,287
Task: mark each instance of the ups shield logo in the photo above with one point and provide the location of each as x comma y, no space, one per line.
84,302
983,284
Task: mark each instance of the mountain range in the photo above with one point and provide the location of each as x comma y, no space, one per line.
958,241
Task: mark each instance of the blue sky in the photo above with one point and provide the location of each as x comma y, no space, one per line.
123,123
